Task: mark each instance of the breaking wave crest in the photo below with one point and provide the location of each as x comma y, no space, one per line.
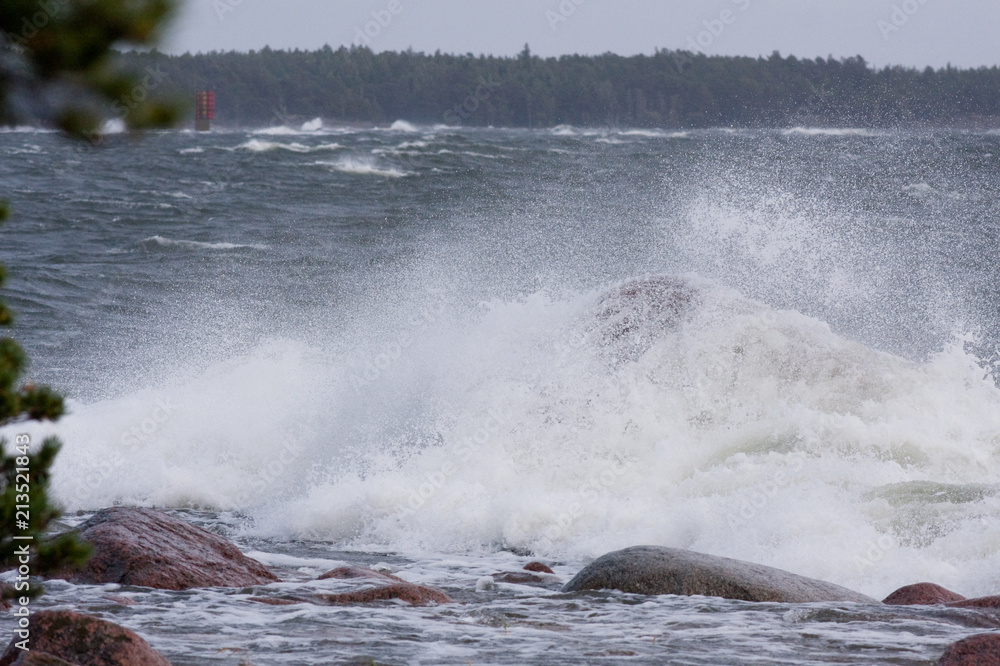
661,410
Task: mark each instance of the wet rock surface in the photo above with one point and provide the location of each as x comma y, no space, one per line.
930,594
538,567
978,602
152,549
387,587
533,573
659,570
981,650
41,659
82,640
922,594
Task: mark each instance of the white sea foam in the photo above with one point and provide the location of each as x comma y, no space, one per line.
259,146
313,127
403,126
27,149
920,190
362,167
25,129
605,134
191,151
279,130
173,195
741,430
828,131
654,134
472,153
279,560
168,242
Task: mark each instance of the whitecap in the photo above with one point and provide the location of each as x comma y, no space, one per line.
362,167
737,429
403,126
312,125
169,242
279,130
258,146
654,134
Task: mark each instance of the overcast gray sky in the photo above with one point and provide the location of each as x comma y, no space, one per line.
904,32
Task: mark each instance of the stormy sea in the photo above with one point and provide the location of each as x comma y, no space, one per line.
446,352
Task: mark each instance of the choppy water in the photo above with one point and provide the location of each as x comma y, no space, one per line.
392,346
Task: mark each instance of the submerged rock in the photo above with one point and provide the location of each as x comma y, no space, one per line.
386,587
926,594
392,587
533,573
981,650
659,570
418,595
59,637
152,549
523,577
638,312
347,573
538,567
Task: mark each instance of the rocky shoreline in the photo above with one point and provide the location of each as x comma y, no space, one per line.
147,548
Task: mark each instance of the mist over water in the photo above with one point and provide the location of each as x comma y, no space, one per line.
394,339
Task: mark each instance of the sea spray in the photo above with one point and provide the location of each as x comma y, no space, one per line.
820,408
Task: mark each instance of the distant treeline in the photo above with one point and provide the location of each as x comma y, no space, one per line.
670,89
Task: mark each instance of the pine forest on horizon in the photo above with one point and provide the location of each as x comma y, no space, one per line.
670,89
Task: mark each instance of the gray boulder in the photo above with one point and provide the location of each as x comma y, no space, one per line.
658,570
